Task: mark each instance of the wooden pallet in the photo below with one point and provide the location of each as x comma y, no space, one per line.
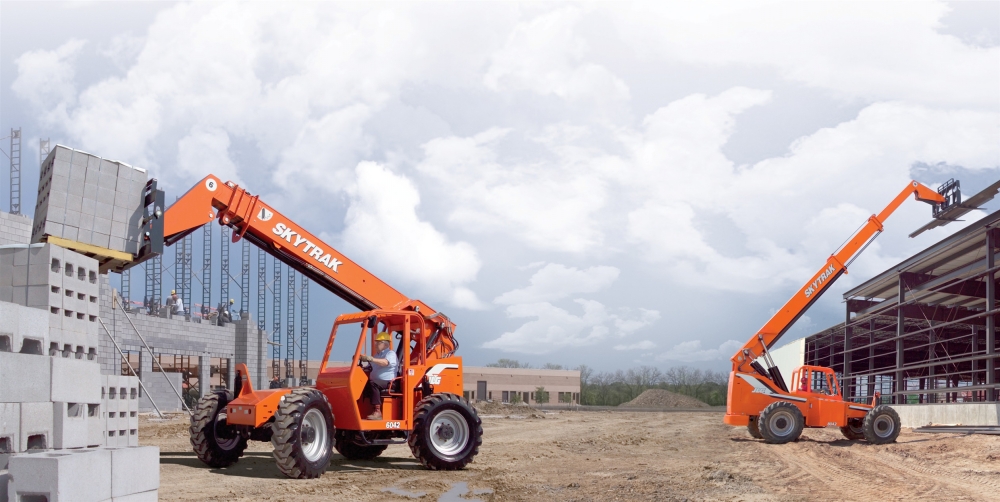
108,260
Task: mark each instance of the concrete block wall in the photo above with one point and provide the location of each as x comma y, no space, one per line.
14,228
61,282
250,349
919,415
88,199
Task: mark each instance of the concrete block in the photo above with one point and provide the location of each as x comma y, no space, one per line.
120,214
100,239
104,210
71,233
10,429
36,426
53,228
101,224
60,184
80,158
77,175
107,181
116,243
26,378
150,496
86,220
7,294
96,425
134,470
110,167
106,195
61,167
72,217
32,335
74,200
90,192
70,425
93,162
76,381
62,476
4,483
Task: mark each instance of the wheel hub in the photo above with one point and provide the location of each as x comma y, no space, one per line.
308,434
446,432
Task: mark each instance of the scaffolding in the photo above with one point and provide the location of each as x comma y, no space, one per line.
923,331
276,319
15,171
290,326
304,332
206,267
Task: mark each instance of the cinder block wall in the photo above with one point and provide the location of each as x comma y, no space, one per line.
14,228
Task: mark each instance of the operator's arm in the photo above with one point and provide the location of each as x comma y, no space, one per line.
386,361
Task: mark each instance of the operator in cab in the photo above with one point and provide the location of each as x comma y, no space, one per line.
384,364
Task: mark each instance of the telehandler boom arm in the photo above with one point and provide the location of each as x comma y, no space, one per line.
277,235
836,265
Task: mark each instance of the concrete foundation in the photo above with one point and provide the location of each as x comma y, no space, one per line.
919,415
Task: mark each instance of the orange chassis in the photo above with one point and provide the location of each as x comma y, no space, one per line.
343,385
749,394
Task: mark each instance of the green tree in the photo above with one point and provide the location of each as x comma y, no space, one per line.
508,363
541,395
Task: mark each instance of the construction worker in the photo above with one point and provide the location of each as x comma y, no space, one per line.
275,383
384,364
224,312
175,302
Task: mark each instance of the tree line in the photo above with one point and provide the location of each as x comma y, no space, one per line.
613,388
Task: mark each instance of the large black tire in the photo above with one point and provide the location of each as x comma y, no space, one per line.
780,423
882,425
753,429
855,429
447,432
215,443
345,445
302,434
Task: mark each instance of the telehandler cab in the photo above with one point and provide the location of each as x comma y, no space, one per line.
758,397
422,406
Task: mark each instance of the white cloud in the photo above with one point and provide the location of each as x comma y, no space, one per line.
691,351
555,281
382,226
643,345
548,204
46,78
884,51
545,55
203,149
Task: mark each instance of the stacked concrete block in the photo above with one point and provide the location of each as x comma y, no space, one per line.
88,199
121,405
86,475
24,378
63,283
10,430
23,329
14,228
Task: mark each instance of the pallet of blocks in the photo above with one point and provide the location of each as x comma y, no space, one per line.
90,204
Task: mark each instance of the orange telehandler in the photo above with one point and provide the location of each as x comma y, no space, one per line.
423,406
758,397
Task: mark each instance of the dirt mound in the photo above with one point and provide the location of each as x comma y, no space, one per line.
659,398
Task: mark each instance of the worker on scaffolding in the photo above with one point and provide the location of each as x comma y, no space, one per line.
225,313
175,303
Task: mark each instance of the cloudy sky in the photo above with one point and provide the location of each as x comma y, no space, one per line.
610,184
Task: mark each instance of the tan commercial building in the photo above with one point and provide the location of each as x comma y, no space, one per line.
506,385
520,385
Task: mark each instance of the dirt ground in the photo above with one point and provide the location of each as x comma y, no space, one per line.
575,455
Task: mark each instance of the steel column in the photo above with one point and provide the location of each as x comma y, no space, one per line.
899,380
991,241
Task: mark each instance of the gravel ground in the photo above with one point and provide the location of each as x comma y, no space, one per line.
617,455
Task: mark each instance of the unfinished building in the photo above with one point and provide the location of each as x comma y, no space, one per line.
923,332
